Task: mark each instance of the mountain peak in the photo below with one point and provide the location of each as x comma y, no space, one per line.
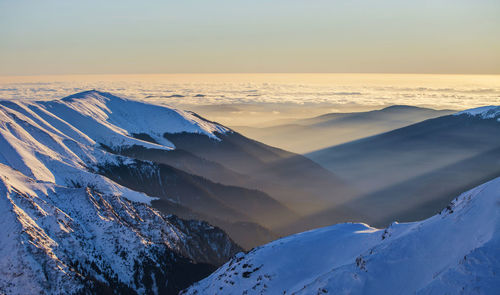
89,94
485,112
130,117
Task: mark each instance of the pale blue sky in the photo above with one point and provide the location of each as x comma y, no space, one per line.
398,36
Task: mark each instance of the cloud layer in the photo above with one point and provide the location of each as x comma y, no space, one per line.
272,93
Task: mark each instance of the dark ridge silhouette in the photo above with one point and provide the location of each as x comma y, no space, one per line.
292,179
243,213
307,135
410,173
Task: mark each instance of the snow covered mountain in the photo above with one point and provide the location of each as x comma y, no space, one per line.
62,240
66,228
76,141
454,252
486,112
80,208
58,140
181,163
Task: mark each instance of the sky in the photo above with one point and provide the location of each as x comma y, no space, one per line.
337,36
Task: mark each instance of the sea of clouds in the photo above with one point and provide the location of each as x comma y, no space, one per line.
278,92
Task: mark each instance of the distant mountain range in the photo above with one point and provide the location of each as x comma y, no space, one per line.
453,252
311,134
408,173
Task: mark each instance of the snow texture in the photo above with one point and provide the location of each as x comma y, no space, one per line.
59,141
486,112
55,239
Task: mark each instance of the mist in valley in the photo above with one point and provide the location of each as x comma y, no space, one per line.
249,147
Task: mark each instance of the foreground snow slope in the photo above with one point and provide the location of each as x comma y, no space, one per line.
61,240
454,252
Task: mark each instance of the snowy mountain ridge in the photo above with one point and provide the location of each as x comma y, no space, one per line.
485,112
454,252
129,116
58,140
68,229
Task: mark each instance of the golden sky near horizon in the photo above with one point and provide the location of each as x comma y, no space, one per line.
122,37
266,99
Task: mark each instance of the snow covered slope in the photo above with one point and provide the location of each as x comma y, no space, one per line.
101,115
56,140
60,240
486,112
454,252
65,228
104,118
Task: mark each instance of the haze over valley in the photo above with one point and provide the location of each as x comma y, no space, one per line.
111,149
249,147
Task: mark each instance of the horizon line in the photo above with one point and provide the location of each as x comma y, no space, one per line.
252,73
